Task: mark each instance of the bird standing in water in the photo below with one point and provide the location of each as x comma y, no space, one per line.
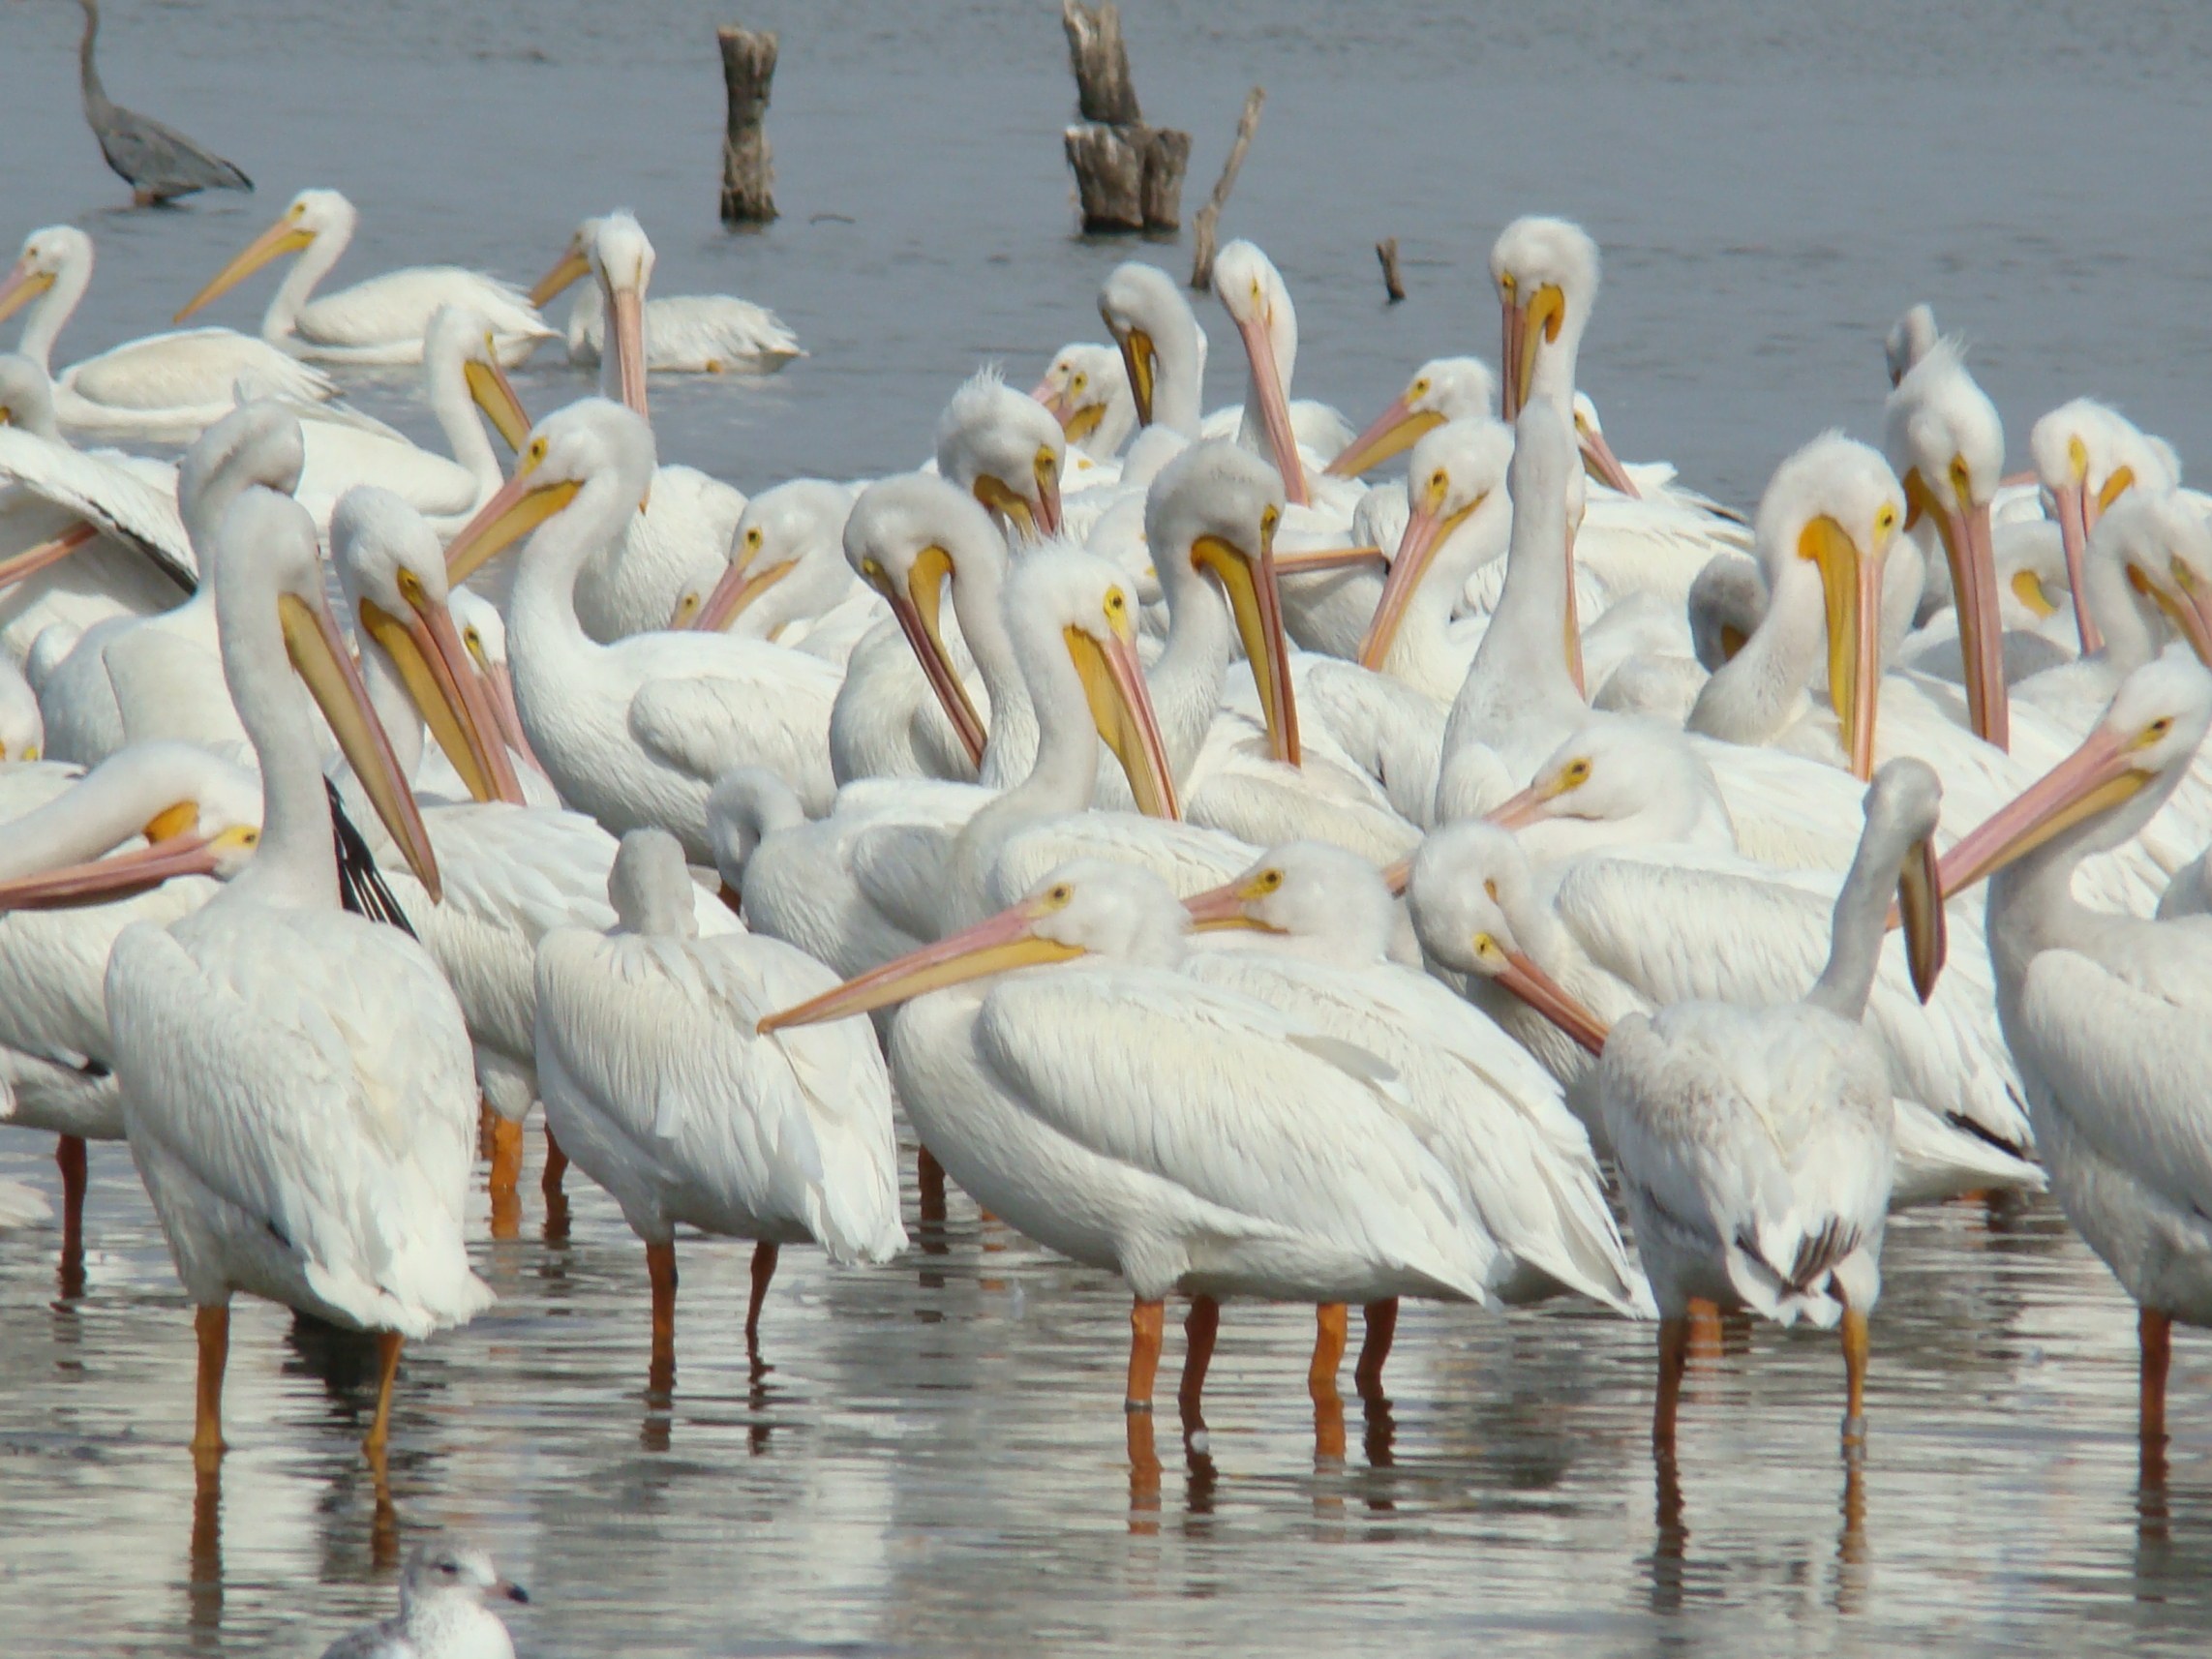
159,163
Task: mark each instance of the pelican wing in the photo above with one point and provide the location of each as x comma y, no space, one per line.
399,304
113,498
1188,858
900,870
1248,1110
311,1070
192,366
1679,933
756,704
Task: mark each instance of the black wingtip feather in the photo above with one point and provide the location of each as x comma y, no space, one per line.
361,885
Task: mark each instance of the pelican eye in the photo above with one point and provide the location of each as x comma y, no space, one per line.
872,569
472,640
1269,517
31,753
1575,773
1076,384
1418,389
410,590
1488,949
2157,728
536,450
687,606
1115,604
1270,880
2077,457
490,343
1439,480
753,538
1059,895
1046,465
1962,481
1884,521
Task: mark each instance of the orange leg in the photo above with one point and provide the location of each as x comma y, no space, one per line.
764,1270
212,1326
2155,1331
1855,1345
1674,1355
1146,1322
555,1167
506,1170
68,1154
660,1266
1703,1338
1382,1318
1199,1333
388,1345
1331,1326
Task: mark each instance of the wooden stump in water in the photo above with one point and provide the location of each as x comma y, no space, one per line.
1128,176
748,171
1208,221
1386,251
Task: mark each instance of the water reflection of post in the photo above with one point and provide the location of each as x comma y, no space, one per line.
1378,1441
660,1369
2156,1332
384,1524
76,1175
1670,1550
556,1193
1851,1574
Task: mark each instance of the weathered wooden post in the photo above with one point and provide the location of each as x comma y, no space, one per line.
1386,251
1208,221
749,164
1128,176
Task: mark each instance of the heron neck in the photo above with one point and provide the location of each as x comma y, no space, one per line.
87,71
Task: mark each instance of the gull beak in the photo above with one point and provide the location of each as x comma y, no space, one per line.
1222,907
1522,977
1141,358
2095,779
1114,684
1274,408
1598,458
174,847
1256,601
495,394
1851,584
2071,502
25,284
441,679
627,336
1920,904
31,560
1006,942
283,237
1393,432
918,610
740,585
1967,547
522,504
319,655
572,266
1427,530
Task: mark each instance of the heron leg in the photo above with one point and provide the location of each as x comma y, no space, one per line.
1674,1355
212,1327
764,1270
1199,1333
388,1345
1381,1321
2154,1330
68,1154
660,1267
1146,1323
1855,1345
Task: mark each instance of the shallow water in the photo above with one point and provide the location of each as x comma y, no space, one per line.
936,1463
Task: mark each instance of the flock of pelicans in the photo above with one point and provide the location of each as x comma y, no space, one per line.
1256,882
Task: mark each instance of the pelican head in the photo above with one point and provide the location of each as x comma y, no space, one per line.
1088,907
1258,300
2164,546
786,562
1597,457
1824,528
258,442
1151,322
2099,796
1067,607
1908,340
650,887
622,262
592,448
446,1569
26,395
459,338
1083,386
1332,900
1943,437
393,572
1727,602
1546,274
198,814
2087,455
313,212
54,257
1006,451
484,636
573,265
1213,510
1457,471
1477,911
905,537
1619,782
1441,389
269,592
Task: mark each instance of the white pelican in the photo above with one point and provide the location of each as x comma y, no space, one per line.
22,732
1442,390
461,374
634,733
1489,1113
1756,1145
1086,389
484,631
1258,300
688,334
297,1080
2106,1013
2089,455
166,387
83,536
1908,340
1163,348
133,678
379,321
441,1614
660,1088
1144,1123
1005,450
787,579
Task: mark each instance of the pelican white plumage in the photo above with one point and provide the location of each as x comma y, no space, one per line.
83,536
634,733
381,319
1756,1146
138,679
660,1088
1323,923
166,387
1086,389
1006,451
686,333
296,1081
2106,1013
1258,300
1442,390
22,730
2089,455
788,579
1141,1122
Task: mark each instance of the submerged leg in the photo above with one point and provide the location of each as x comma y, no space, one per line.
1147,1320
1674,1354
1199,1333
212,1326
2156,1332
555,1167
506,1170
68,1154
1705,1331
388,1345
1854,1373
1382,1318
764,1270
660,1267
